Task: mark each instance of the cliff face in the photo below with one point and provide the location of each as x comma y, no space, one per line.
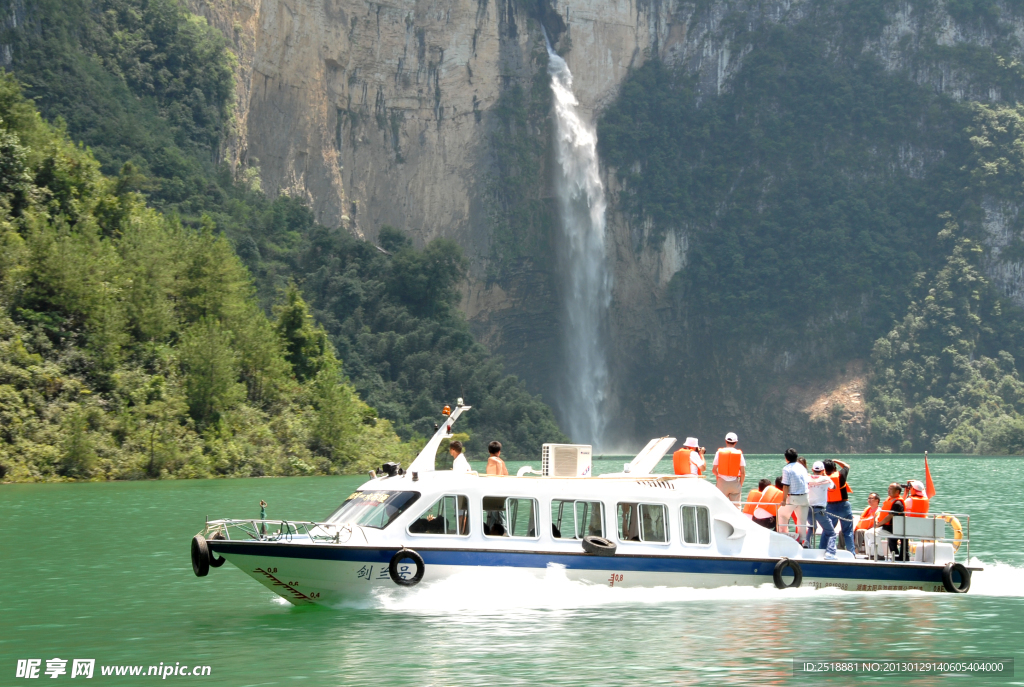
385,113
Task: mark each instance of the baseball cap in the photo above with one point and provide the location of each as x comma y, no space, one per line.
917,486
731,436
818,466
691,442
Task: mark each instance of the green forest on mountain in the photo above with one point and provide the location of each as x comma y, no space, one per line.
839,202
163,318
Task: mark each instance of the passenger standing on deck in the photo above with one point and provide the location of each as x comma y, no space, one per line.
766,511
818,486
730,469
495,465
838,506
459,462
754,496
689,460
794,494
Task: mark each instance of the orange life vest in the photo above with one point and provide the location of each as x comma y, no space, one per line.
771,499
681,463
729,462
917,506
496,466
886,507
867,519
753,500
834,494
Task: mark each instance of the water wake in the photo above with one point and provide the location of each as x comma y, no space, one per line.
586,281
472,593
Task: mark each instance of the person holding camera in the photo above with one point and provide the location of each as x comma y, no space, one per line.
838,506
689,460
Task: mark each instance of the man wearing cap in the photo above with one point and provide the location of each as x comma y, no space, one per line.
730,469
689,460
818,485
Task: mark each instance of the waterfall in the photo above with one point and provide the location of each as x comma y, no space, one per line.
582,263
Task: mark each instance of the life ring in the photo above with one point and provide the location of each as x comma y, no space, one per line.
947,578
958,530
200,556
780,568
599,546
402,555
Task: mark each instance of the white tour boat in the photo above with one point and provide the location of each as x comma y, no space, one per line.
628,529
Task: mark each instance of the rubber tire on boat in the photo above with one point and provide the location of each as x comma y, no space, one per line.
401,556
780,568
599,546
200,556
214,561
947,578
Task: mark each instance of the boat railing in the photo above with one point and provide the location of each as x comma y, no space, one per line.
916,529
275,530
926,529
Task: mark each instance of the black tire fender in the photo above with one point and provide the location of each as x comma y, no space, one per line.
200,556
598,546
401,555
947,578
780,568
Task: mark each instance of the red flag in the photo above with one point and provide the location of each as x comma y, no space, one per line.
929,485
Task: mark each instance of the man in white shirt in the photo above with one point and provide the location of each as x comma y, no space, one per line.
794,497
817,497
459,462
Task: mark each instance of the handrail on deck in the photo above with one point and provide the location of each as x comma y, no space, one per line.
262,530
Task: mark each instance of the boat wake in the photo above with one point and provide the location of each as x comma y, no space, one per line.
472,593
997,579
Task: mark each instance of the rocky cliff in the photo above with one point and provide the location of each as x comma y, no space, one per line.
391,113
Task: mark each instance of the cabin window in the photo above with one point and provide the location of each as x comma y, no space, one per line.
508,516
645,522
576,519
376,509
448,515
696,525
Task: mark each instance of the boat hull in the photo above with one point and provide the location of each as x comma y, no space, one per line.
332,575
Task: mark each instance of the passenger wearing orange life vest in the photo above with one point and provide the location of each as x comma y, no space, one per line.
689,460
915,500
754,496
838,504
730,469
766,512
865,522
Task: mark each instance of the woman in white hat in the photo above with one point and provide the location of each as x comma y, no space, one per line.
689,460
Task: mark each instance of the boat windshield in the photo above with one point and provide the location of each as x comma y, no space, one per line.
373,508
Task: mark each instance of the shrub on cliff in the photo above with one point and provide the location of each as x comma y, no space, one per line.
131,346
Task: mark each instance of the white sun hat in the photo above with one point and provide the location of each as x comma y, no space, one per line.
917,486
691,442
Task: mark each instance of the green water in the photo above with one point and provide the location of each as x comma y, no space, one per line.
102,571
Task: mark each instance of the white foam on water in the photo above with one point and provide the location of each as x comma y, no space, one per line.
473,591
997,579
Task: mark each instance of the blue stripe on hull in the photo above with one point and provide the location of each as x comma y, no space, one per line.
869,572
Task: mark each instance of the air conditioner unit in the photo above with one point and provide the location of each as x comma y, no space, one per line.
565,460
